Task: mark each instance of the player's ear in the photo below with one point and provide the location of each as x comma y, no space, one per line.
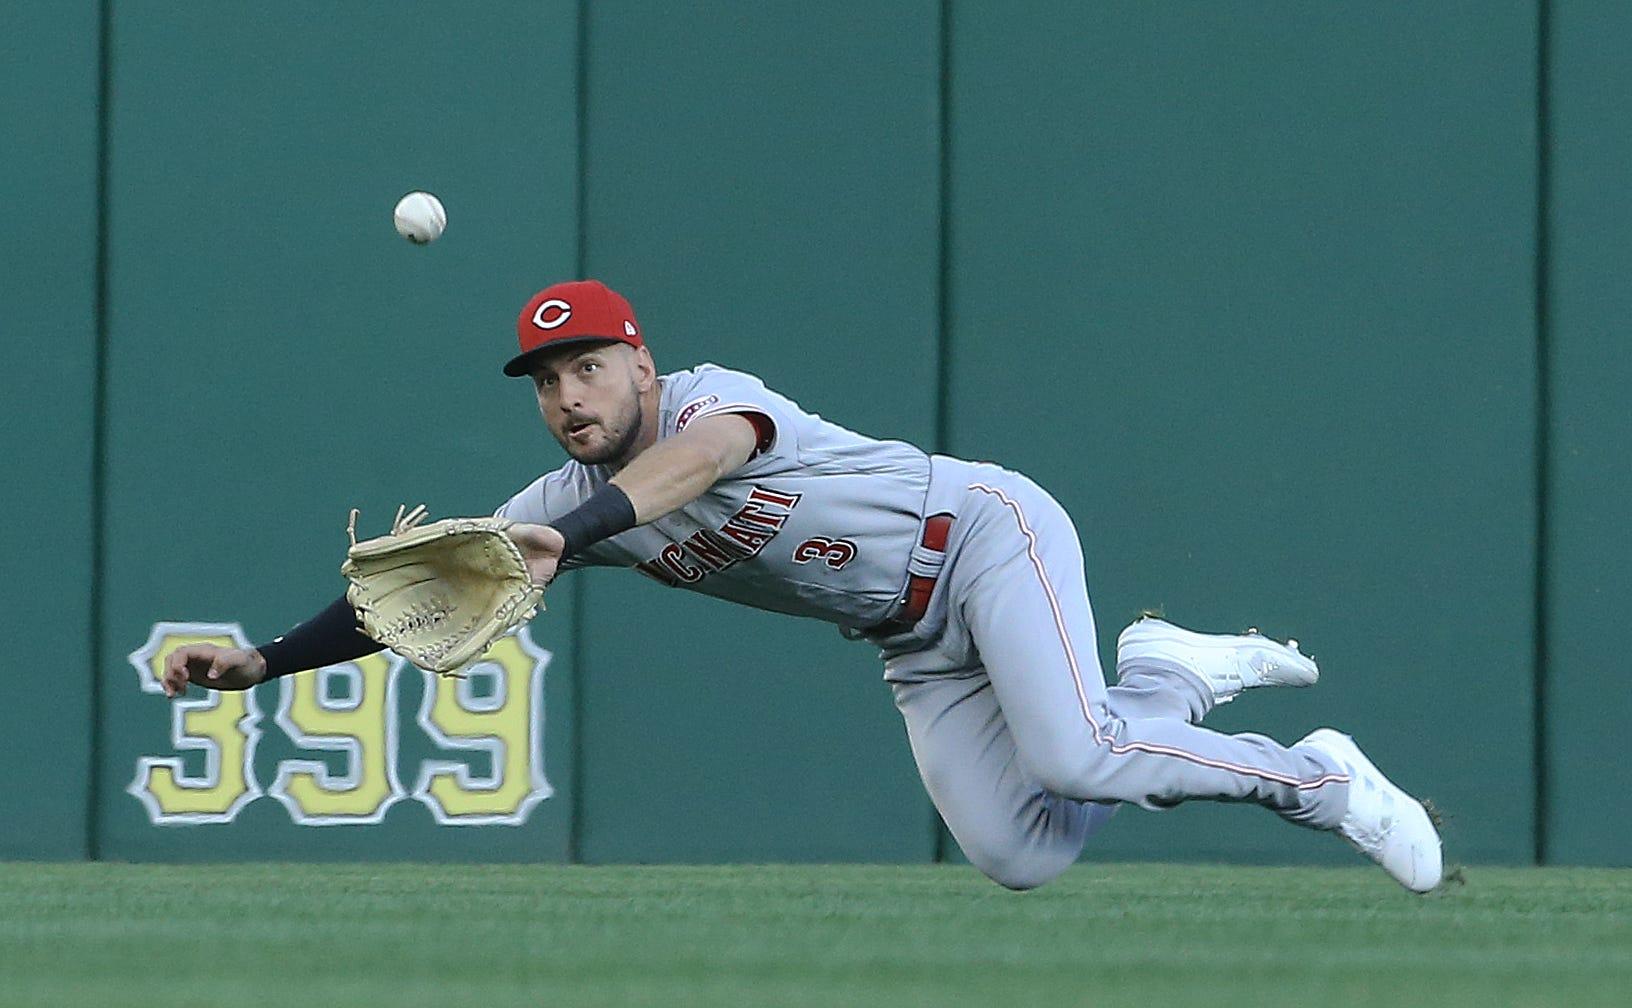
645,368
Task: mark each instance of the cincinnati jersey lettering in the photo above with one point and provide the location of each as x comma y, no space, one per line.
742,536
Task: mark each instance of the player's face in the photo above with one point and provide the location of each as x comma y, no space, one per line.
590,400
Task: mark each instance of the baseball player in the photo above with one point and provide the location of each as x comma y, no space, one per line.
967,576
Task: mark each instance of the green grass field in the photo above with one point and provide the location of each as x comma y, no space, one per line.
1104,935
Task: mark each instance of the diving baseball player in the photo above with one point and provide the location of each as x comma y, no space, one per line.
967,576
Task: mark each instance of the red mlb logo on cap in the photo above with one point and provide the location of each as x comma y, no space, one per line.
580,311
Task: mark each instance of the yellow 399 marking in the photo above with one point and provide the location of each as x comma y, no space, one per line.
360,722
506,723
223,725
492,721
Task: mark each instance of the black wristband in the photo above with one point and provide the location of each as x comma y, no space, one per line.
607,512
326,639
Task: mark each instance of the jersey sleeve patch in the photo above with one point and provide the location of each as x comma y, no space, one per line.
689,411
713,390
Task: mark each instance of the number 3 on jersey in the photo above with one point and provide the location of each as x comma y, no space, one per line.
833,552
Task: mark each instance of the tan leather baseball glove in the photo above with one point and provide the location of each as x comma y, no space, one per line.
439,594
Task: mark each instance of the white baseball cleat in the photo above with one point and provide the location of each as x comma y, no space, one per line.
1383,822
1225,663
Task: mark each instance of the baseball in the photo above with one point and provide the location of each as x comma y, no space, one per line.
420,217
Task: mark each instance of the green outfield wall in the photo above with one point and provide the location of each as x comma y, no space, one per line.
1310,314
49,275
1588,474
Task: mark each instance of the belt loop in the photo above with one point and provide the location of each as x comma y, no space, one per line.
923,570
926,569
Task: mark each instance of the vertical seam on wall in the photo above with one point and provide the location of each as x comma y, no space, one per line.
943,279
1543,405
99,435
575,629
943,291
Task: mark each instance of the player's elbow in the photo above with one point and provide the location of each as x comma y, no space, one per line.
720,443
707,462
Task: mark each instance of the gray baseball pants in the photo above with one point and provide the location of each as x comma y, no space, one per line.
1021,745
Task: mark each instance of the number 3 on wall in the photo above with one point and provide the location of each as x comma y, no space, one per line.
351,708
224,725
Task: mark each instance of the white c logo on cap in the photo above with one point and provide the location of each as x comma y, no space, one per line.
565,309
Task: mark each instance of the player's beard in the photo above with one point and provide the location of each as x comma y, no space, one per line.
616,451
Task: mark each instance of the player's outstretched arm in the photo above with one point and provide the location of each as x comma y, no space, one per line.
668,475
330,637
675,471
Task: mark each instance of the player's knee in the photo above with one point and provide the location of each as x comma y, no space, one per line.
1022,870
1020,861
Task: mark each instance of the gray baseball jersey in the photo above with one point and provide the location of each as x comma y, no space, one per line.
1022,746
820,522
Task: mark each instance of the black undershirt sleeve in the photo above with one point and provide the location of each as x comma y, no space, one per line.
328,638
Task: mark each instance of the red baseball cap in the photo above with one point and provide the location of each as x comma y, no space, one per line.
579,311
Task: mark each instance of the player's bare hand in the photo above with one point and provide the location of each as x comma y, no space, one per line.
541,545
212,667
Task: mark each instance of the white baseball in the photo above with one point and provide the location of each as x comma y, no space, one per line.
420,217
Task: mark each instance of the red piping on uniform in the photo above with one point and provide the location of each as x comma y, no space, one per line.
1100,738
